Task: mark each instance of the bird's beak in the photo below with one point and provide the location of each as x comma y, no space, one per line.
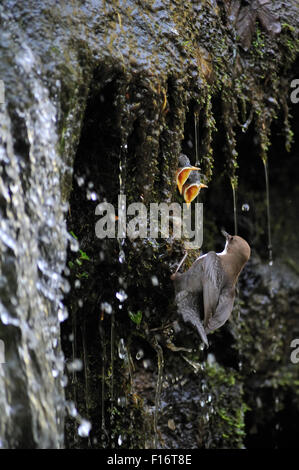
225,234
190,192
182,175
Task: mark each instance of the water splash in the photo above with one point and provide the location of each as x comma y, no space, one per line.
33,241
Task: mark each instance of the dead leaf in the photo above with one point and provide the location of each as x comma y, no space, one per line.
244,17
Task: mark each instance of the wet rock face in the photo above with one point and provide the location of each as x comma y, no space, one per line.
100,100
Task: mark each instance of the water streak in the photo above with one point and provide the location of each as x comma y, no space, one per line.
265,163
103,354
235,208
159,352
196,138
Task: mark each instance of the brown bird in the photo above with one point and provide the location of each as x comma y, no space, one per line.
213,275
184,170
192,187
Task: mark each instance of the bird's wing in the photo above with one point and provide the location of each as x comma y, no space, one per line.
223,310
187,305
212,283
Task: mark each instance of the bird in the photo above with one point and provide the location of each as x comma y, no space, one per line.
213,277
183,171
192,187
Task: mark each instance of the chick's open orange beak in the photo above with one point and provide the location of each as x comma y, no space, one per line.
190,191
182,175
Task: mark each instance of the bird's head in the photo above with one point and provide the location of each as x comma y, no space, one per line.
182,175
237,245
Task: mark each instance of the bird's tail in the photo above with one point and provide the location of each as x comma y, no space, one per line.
187,307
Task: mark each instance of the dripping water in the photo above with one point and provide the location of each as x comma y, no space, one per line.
86,368
74,353
103,353
196,137
121,258
112,335
265,163
121,241
233,185
235,208
159,352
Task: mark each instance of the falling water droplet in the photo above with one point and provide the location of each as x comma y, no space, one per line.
84,428
121,256
146,363
55,373
80,181
62,315
121,401
211,359
122,350
119,441
74,245
71,409
121,295
91,195
106,307
75,365
65,286
139,354
63,381
245,207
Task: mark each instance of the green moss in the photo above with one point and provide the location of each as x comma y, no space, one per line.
227,424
